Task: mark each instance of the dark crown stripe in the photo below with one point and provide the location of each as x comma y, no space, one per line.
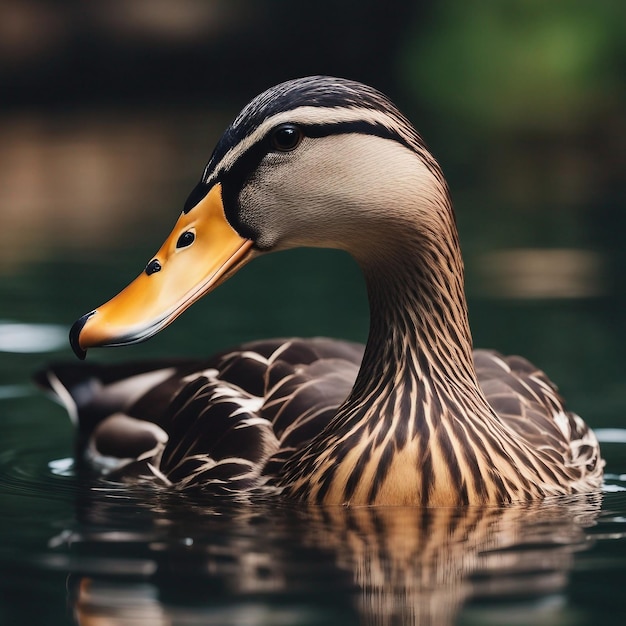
360,127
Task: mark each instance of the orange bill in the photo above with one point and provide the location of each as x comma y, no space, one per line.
200,253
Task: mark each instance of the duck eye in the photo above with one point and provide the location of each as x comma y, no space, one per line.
186,239
286,138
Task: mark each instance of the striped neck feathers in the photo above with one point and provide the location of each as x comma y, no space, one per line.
416,385
419,337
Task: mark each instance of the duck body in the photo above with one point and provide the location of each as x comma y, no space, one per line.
211,424
414,417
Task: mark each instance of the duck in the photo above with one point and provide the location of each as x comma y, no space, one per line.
414,417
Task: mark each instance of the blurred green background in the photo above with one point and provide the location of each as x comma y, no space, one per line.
110,109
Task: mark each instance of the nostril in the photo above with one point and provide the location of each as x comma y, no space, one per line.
153,267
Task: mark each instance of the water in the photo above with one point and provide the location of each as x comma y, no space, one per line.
75,551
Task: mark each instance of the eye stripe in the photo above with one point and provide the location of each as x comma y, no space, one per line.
311,119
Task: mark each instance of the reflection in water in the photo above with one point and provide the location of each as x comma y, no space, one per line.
417,566
150,559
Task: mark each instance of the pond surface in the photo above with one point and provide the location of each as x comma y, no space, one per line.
75,552
82,215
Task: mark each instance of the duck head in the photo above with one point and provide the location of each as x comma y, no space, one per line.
314,162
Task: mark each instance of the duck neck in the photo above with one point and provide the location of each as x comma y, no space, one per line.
419,342
416,392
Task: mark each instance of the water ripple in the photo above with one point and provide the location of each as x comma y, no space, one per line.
15,391
24,472
196,557
18,337
610,435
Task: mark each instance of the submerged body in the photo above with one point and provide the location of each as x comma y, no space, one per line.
418,418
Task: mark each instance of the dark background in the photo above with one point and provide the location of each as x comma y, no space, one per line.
109,110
